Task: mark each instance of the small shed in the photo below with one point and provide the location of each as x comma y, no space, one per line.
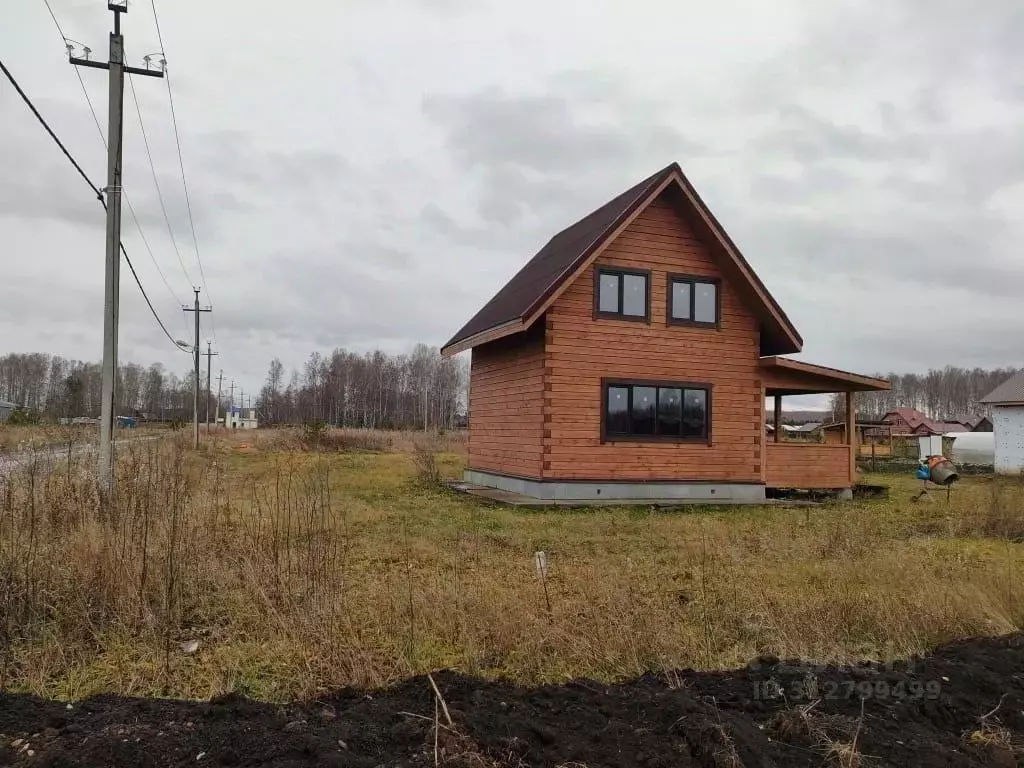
1007,402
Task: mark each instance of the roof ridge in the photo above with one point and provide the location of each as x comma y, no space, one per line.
531,289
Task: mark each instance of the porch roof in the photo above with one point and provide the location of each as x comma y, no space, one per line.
794,377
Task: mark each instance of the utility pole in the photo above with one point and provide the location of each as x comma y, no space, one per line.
116,68
195,354
209,358
231,405
220,380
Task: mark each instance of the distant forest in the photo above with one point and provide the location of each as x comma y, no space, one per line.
945,393
420,389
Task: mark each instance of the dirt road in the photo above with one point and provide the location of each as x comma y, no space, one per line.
960,706
52,455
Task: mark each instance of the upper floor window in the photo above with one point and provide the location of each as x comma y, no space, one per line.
693,301
622,293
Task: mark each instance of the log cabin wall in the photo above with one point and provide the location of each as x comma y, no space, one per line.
581,350
506,405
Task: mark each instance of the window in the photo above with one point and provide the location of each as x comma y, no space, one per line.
657,411
693,301
622,294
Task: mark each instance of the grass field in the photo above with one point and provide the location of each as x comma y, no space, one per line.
299,567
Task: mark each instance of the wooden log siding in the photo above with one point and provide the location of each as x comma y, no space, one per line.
808,465
506,406
581,350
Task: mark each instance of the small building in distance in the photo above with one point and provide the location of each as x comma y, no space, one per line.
977,423
910,421
1007,401
240,418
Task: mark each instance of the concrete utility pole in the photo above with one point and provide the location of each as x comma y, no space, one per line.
216,411
195,354
231,405
209,358
112,273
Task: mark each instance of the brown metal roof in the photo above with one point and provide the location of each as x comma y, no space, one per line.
1010,391
542,277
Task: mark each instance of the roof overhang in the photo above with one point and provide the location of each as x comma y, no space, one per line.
795,377
491,334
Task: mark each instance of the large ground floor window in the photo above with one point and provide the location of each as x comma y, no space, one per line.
646,410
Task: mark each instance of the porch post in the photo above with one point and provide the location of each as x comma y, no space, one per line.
851,433
778,417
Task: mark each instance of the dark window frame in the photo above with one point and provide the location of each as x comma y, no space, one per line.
692,281
620,272
704,386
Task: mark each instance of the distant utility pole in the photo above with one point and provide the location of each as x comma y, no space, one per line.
209,358
195,354
220,380
231,405
112,274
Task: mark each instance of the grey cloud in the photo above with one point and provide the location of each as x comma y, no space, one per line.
858,168
809,138
542,155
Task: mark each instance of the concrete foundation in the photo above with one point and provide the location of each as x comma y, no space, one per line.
564,490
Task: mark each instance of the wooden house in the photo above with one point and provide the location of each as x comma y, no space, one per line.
909,421
631,358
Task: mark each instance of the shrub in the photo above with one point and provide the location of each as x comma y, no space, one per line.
424,457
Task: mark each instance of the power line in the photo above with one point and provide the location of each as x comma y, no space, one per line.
181,162
156,183
93,187
49,130
127,199
78,74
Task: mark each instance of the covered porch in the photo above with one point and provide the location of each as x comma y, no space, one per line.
805,464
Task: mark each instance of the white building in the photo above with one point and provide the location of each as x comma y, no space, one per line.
1007,401
240,418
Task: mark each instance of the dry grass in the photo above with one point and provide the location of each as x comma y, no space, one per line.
13,439
299,572
26,438
329,439
834,736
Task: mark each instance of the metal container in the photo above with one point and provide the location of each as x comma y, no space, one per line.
944,473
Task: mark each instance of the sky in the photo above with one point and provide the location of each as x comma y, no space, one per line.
366,174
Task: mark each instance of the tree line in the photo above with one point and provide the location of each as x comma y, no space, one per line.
419,390
946,393
54,387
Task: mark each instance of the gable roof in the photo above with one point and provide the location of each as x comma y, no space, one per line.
912,416
1010,392
542,279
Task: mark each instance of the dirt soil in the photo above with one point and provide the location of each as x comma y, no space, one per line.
963,705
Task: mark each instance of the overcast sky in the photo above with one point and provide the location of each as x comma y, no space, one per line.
367,173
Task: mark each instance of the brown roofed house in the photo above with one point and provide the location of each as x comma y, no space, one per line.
630,360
